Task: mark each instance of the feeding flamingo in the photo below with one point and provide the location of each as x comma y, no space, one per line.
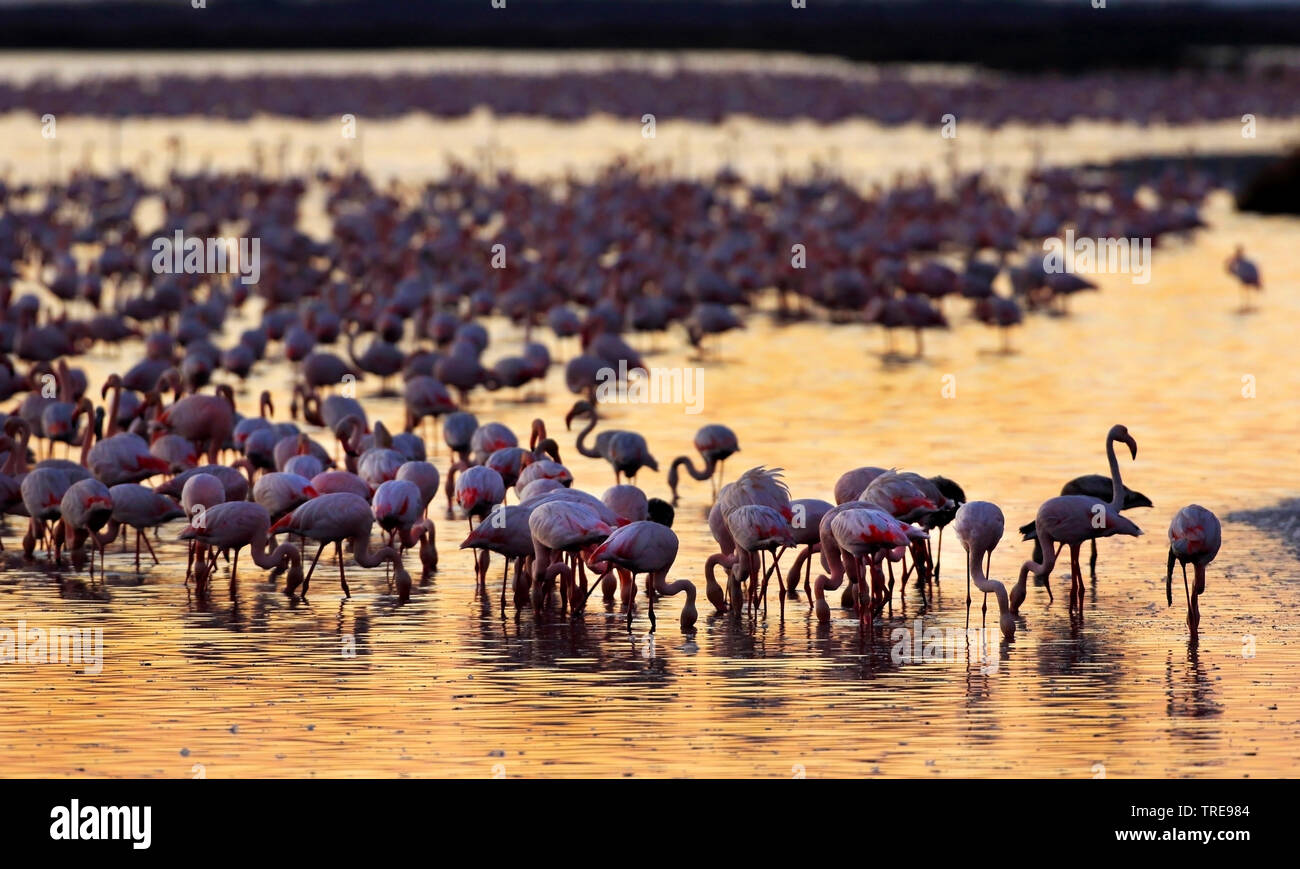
716,443
1195,535
979,526
234,525
335,518
649,548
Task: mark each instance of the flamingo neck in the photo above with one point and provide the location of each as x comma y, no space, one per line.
364,557
1117,486
582,437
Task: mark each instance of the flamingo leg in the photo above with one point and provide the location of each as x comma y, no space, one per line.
338,556
149,546
1169,578
938,556
1092,563
650,599
307,581
968,586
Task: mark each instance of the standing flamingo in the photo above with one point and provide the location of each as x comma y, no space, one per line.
1072,519
335,518
649,548
979,526
1195,535
1094,486
1247,273
505,533
626,451
560,527
716,443
758,528
234,525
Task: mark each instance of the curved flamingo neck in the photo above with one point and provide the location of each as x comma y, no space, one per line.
1117,490
582,437
366,558
113,407
984,584
685,461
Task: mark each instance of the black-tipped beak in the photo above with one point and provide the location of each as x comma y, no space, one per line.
1132,445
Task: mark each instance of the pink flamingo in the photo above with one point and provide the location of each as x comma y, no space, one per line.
199,492
649,548
86,507
505,533
851,484
561,527
1195,535
716,443
204,419
626,451
1072,519
398,506
979,526
806,528
866,534
335,518
758,528
234,525
138,507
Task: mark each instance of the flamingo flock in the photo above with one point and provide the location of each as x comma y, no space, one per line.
405,282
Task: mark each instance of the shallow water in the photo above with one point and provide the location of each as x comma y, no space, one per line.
251,684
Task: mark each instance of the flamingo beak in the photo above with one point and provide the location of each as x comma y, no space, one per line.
1132,445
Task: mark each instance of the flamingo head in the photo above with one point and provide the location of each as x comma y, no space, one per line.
402,580
1120,433
1007,622
293,579
579,409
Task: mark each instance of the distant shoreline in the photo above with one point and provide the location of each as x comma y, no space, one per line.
1006,34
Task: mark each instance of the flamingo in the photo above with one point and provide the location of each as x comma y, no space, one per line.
138,507
626,451
716,443
1094,486
200,492
1247,273
979,526
865,532
561,527
1194,535
758,528
506,533
649,548
1072,519
851,484
234,525
806,528
335,518
86,507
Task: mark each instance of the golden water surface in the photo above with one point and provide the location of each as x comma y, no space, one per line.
252,684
